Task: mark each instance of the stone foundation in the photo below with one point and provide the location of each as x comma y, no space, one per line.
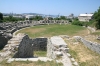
40,44
25,49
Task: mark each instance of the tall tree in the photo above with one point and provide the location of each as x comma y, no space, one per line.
63,17
1,17
96,16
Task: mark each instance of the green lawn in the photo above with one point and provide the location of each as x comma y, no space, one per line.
40,53
52,30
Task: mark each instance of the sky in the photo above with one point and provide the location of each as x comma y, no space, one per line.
49,7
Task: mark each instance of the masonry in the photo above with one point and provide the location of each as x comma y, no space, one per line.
40,44
7,29
25,49
93,46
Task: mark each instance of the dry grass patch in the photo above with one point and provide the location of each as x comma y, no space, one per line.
35,30
82,33
29,63
83,55
92,38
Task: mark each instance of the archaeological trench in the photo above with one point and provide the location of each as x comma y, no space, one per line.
21,48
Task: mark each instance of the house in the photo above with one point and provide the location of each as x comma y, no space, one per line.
71,16
85,17
29,16
17,16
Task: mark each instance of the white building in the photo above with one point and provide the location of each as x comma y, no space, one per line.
5,16
29,16
14,16
85,17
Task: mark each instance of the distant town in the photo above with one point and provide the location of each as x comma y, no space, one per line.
81,17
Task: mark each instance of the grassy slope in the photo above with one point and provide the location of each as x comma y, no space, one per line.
52,30
83,55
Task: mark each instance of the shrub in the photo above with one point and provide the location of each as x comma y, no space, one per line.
77,23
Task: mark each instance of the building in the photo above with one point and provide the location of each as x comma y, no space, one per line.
85,17
29,16
71,16
17,16
5,16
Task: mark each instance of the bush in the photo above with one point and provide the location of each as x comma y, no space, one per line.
77,23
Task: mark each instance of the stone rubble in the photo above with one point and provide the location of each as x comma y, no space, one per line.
56,48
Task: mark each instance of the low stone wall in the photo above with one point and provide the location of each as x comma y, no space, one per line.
25,49
55,46
57,49
91,45
20,46
91,29
40,44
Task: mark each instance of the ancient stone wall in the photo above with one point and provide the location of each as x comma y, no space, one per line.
20,46
55,47
25,49
91,45
40,44
7,29
3,41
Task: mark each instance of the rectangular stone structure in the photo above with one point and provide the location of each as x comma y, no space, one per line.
25,49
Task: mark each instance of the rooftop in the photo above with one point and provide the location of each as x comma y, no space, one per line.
86,15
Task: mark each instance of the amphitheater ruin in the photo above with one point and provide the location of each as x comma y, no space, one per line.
21,48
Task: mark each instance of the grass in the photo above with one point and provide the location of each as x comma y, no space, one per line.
29,63
83,55
93,36
96,33
52,30
40,53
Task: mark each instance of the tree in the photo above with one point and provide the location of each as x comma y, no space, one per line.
37,18
63,17
56,18
96,16
50,18
1,17
77,23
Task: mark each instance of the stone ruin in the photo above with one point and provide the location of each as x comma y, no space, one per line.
91,45
56,46
7,29
19,46
25,49
40,44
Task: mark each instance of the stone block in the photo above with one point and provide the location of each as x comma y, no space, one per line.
10,60
21,59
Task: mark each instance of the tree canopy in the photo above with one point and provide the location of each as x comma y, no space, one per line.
1,17
96,16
